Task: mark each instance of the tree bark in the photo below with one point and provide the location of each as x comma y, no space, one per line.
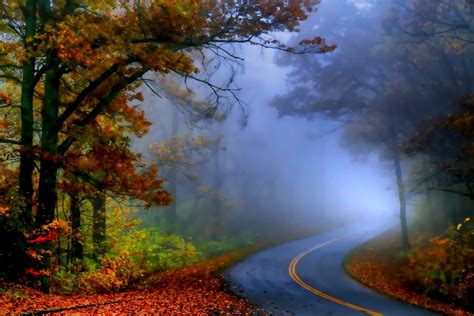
171,212
47,194
99,224
77,248
401,197
431,211
27,89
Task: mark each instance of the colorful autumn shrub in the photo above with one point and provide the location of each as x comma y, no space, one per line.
443,267
131,258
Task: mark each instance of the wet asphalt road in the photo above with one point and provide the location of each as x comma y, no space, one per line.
264,279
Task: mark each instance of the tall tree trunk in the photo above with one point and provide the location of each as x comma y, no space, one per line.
99,224
77,248
47,195
401,197
445,206
431,211
27,88
217,211
218,183
171,212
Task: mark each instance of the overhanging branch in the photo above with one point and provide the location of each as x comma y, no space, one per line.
471,196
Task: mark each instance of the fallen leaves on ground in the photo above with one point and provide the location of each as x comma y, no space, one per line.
378,265
197,290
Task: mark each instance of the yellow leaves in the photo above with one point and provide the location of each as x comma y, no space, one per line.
5,211
72,39
58,225
465,221
100,5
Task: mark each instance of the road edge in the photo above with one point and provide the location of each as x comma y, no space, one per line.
351,256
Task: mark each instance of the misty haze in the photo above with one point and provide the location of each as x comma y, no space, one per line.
230,157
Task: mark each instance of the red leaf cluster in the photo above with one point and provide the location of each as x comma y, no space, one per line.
32,272
42,239
5,99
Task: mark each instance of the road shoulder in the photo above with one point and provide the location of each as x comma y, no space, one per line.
378,265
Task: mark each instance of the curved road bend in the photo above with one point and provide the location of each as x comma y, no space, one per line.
306,277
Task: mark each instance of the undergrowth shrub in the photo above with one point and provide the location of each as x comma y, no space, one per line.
443,267
131,258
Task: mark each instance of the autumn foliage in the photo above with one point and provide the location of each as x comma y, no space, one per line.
436,274
443,267
197,290
72,75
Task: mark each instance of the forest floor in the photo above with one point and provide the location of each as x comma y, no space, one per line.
196,290
379,265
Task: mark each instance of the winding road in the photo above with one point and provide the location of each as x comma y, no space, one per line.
306,277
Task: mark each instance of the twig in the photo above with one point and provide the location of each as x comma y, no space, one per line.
48,311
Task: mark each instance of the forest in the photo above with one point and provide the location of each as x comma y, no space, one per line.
147,147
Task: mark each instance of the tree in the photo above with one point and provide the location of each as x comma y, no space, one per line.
73,70
380,87
180,158
443,29
354,87
447,144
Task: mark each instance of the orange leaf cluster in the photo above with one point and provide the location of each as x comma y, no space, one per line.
117,169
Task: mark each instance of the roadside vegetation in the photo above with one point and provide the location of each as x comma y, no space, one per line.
199,289
437,273
400,86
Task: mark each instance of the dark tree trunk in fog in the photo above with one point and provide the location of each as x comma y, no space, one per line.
401,197
457,216
431,211
99,221
218,183
171,212
77,249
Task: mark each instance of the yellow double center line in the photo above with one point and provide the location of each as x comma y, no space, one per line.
297,279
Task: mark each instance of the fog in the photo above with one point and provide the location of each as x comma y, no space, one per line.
313,141
283,170
315,175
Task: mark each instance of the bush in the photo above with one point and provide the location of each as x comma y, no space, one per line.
443,267
131,258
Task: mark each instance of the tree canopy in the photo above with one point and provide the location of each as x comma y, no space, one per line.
71,75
